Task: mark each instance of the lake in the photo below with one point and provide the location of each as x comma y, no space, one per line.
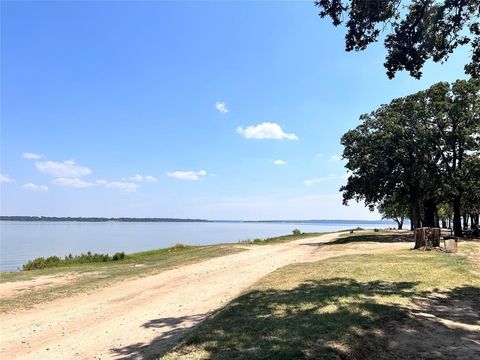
22,240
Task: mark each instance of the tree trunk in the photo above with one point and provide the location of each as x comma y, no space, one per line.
414,210
400,223
475,217
444,223
465,220
427,237
457,217
429,209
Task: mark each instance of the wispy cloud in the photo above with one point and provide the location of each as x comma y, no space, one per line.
32,156
122,186
187,175
335,157
72,182
34,187
139,177
319,155
325,178
280,162
5,178
150,178
265,130
66,169
222,107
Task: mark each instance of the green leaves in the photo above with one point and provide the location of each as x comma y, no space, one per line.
422,147
423,30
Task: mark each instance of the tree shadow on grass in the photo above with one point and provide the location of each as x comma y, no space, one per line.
313,320
390,238
444,325
330,319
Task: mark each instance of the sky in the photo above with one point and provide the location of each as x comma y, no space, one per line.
212,110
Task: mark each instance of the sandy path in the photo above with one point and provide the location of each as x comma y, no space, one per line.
13,288
141,317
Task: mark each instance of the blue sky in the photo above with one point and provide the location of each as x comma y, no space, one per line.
164,109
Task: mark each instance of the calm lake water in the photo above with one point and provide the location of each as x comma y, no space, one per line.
22,241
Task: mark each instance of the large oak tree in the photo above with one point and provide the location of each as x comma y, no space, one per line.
415,30
424,147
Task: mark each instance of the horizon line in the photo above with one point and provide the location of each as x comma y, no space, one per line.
106,218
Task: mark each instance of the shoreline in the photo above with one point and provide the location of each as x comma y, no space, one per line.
180,220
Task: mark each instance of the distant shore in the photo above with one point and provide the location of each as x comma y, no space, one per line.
148,219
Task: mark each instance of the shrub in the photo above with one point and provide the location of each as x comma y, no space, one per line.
296,232
247,241
54,261
118,256
179,246
42,263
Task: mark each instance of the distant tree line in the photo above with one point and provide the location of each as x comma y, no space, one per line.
94,219
418,157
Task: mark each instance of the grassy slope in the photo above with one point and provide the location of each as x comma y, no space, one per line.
96,275
280,239
337,308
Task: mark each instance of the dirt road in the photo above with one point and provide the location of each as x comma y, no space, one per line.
142,318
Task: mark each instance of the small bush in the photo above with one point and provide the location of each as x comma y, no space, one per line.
296,232
42,263
54,261
118,256
179,246
247,241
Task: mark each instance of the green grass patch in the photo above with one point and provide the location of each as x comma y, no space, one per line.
296,235
333,309
90,276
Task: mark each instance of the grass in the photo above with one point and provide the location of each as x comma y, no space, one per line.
337,308
90,276
280,239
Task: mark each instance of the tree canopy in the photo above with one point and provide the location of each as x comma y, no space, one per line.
416,30
419,151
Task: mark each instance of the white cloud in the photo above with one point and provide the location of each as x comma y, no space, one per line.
72,182
187,175
66,169
139,177
320,155
136,178
32,156
5,178
118,185
34,187
325,178
150,178
265,130
122,186
335,157
279,207
280,162
222,107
